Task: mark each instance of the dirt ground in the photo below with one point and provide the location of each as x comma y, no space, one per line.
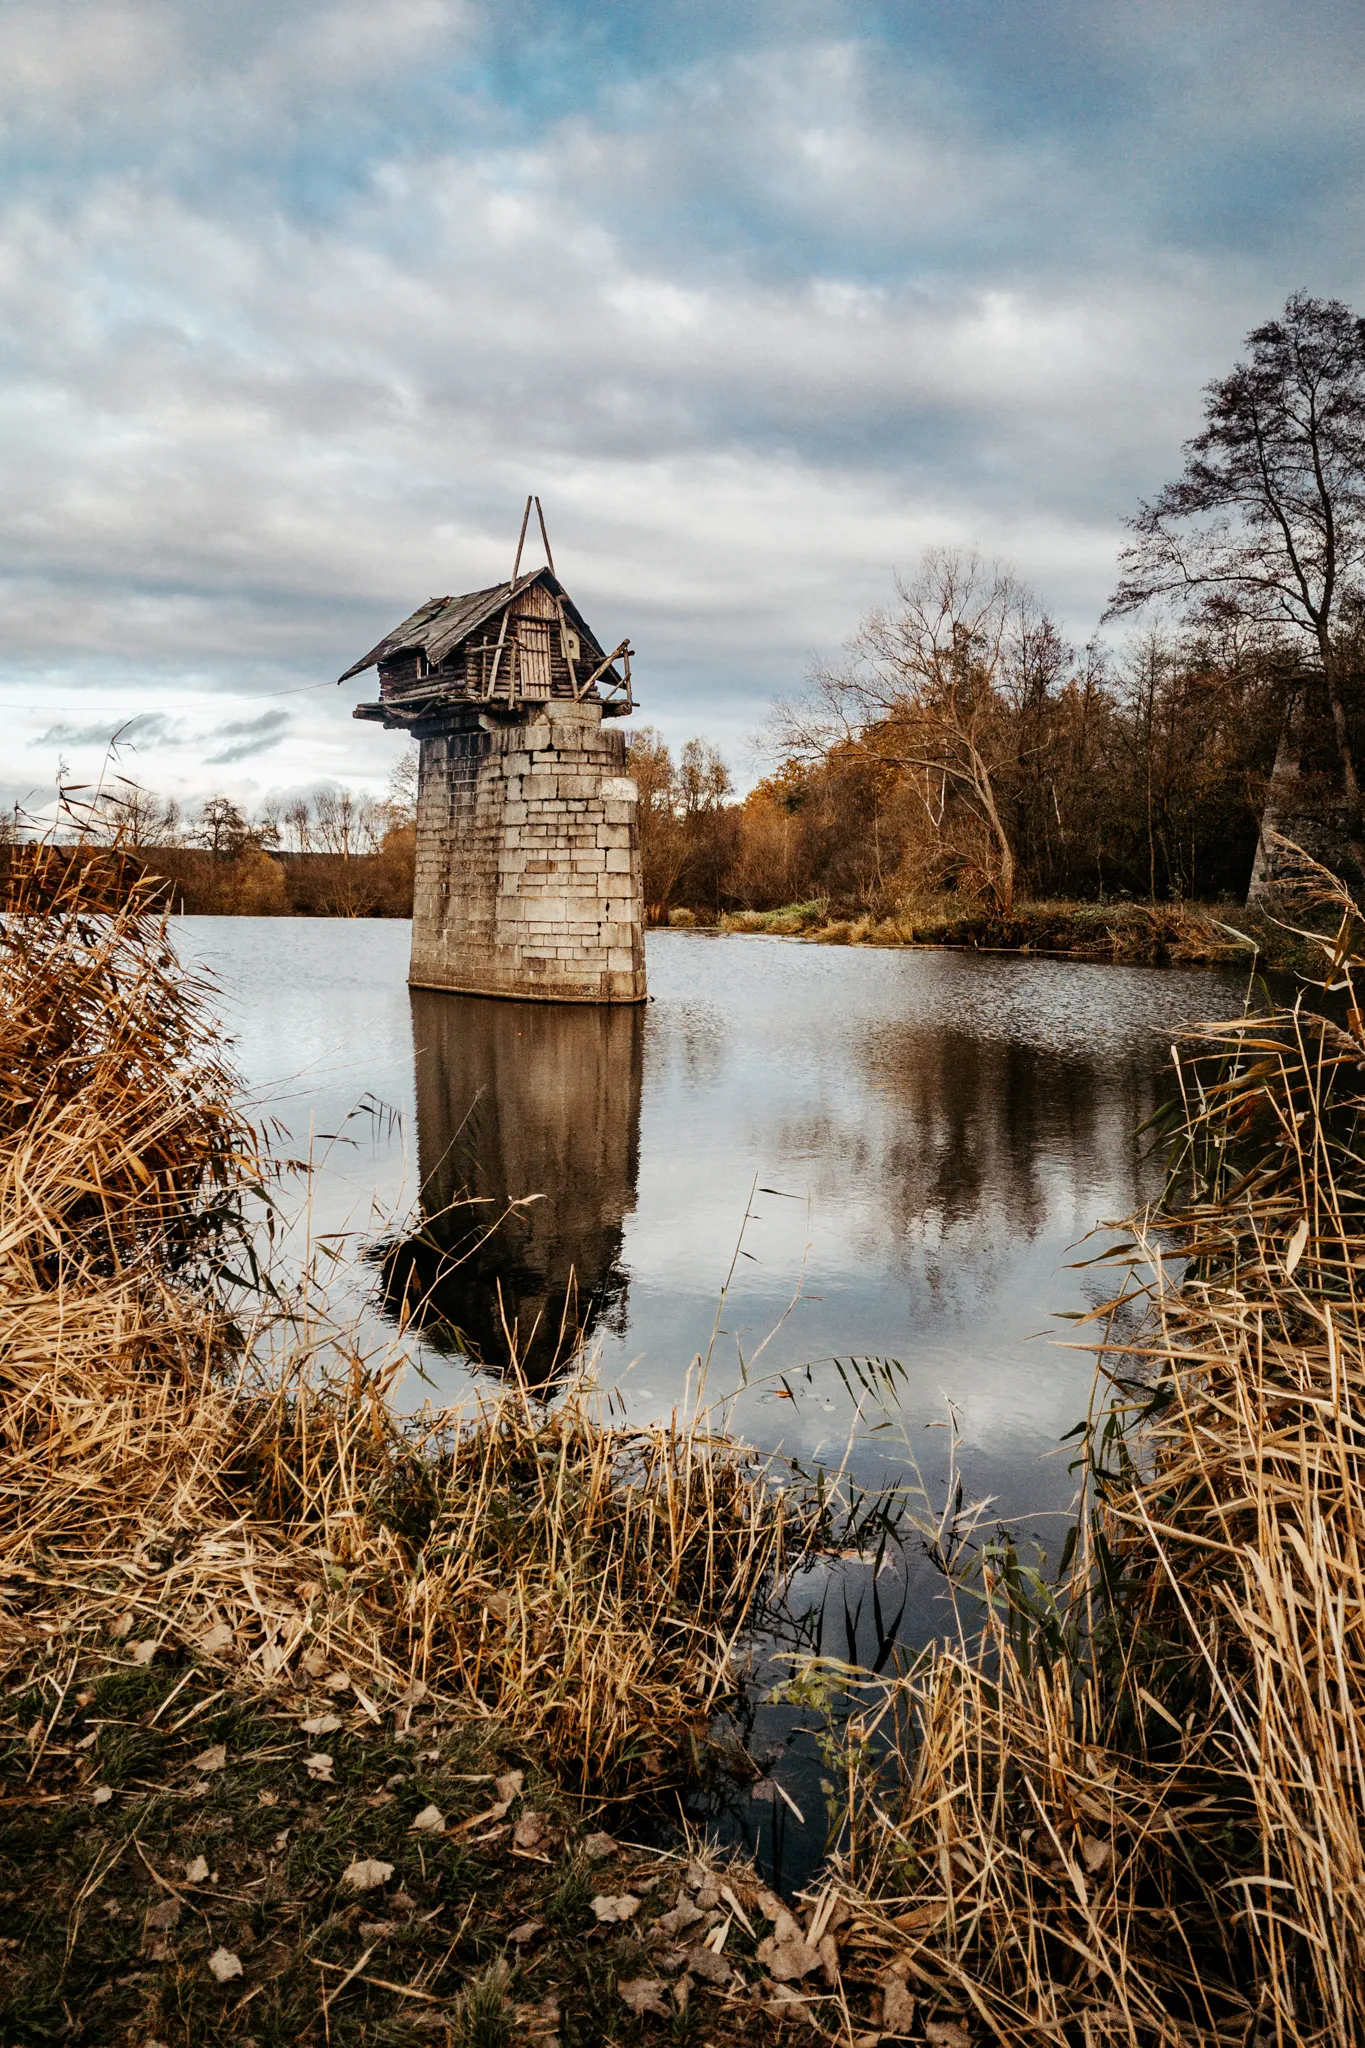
183,1865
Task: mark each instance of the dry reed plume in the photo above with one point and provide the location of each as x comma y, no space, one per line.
1134,1810
186,1459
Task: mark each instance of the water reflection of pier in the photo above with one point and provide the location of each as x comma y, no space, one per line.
528,1130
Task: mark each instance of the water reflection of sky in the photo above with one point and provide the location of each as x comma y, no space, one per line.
911,1147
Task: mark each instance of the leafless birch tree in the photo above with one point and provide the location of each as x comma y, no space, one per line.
927,686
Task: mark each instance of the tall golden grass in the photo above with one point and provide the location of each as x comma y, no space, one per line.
1133,1808
189,1457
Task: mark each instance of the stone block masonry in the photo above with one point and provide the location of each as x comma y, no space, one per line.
528,858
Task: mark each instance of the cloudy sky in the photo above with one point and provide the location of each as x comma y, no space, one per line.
299,301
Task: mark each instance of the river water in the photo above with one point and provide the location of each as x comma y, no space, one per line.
893,1156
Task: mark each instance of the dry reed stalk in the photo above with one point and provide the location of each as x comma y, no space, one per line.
1133,1808
175,1470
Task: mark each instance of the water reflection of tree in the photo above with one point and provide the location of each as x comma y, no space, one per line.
528,1123
983,1132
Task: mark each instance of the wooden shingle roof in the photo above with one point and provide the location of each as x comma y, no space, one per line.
440,625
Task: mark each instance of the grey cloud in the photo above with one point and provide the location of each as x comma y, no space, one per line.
154,729
148,728
248,736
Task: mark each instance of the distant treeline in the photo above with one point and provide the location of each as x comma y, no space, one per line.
250,883
331,854
260,883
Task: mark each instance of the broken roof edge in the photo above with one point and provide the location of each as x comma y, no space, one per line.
483,604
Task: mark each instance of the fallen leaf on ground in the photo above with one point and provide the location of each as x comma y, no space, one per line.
321,1724
785,1953
164,1914
538,2022
527,1931
375,1930
704,1962
403,1712
644,1994
214,1759
609,1910
197,1870
946,2034
366,1875
530,1831
314,1662
101,1795
122,1627
225,1965
508,1787
598,1847
338,1682
319,1766
1097,1855
219,1637
920,1919
430,1821
142,1653
684,1914
267,1798
898,2005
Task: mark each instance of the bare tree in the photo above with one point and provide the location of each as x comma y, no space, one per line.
268,830
1268,515
124,814
663,850
401,803
344,823
703,781
298,819
927,686
221,828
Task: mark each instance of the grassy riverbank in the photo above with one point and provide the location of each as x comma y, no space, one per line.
325,1725
1124,931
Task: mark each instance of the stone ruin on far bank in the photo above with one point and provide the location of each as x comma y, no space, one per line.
528,850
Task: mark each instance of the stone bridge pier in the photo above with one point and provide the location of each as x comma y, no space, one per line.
528,859
528,846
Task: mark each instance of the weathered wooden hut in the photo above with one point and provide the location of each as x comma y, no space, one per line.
528,854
